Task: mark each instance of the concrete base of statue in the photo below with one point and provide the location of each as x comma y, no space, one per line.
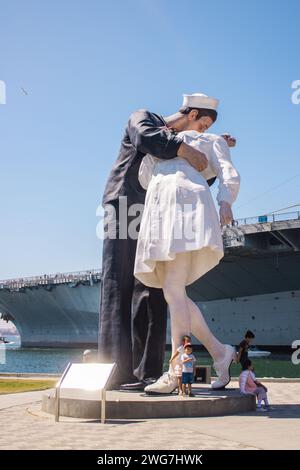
139,405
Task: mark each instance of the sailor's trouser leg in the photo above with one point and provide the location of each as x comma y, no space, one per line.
117,284
133,317
149,323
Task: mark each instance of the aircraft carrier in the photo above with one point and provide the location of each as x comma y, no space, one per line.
256,286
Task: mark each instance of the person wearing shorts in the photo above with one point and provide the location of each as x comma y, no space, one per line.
188,369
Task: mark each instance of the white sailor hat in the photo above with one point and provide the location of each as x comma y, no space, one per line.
199,100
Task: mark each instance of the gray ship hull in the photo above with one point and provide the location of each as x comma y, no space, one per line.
63,317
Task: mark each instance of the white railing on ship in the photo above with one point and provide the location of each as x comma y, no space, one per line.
267,218
45,279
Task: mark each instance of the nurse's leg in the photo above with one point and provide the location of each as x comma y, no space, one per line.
185,316
201,331
172,276
222,354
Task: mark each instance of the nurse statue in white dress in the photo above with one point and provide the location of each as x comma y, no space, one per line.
180,237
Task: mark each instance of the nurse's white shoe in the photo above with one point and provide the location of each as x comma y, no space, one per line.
222,368
167,383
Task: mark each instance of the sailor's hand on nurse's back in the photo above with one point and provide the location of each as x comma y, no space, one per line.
226,215
193,156
231,141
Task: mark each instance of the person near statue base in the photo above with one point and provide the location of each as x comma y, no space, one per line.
188,369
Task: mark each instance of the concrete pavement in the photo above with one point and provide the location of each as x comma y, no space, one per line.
26,427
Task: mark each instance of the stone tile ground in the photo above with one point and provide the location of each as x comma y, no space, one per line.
26,427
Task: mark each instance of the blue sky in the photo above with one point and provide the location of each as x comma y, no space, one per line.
87,64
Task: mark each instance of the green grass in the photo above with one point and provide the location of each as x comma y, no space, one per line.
24,385
264,367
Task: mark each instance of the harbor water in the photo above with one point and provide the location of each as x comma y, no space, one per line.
36,360
54,361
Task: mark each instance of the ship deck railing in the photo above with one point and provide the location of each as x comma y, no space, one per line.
50,279
268,218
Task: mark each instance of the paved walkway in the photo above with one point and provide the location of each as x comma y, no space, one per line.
16,399
26,427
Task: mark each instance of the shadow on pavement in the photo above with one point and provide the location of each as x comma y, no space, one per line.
286,411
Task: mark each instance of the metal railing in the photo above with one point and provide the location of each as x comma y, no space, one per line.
268,218
48,279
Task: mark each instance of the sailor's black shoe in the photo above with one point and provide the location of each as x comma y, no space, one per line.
137,386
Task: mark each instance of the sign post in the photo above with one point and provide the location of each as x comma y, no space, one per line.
84,382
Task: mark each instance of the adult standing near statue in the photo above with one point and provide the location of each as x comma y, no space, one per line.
132,316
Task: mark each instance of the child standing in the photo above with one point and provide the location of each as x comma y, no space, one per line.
249,385
188,369
186,339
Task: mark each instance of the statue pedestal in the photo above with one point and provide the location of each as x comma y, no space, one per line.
138,405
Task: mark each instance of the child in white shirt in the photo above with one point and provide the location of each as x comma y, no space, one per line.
176,360
188,369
